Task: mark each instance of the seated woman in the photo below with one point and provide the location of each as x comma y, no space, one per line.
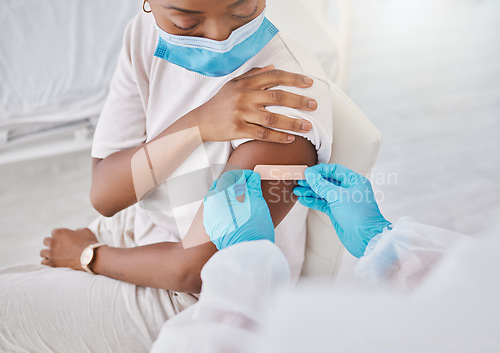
186,97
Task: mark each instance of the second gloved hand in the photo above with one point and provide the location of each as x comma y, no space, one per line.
348,199
235,210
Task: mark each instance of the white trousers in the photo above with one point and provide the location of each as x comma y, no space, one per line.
45,309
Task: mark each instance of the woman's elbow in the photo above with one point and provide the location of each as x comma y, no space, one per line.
97,196
192,283
183,281
98,201
187,277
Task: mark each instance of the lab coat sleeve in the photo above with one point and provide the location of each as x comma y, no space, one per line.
238,291
404,255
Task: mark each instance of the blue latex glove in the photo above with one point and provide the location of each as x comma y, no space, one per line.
229,220
348,199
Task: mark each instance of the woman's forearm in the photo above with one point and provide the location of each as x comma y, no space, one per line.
124,177
164,265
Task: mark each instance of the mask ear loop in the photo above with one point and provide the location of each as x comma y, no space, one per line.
144,7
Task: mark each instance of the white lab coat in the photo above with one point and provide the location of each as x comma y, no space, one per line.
449,303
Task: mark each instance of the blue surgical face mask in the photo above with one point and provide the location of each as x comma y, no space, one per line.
216,58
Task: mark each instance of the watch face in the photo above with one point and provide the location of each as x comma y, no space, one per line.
87,256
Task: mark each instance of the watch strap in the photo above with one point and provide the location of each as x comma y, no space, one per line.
93,247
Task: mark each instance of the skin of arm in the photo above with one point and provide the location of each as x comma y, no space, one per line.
236,111
110,195
278,194
170,265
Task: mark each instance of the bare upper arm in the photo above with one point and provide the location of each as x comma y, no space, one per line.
279,195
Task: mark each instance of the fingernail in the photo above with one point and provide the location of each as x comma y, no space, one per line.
306,126
312,104
291,138
308,80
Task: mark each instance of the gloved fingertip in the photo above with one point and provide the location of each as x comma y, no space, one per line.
312,176
254,184
310,171
303,191
248,173
314,167
302,182
253,178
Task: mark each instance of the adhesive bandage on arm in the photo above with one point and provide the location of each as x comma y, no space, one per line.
281,172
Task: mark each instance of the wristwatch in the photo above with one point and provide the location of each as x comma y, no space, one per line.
88,255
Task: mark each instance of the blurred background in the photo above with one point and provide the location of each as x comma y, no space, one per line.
425,72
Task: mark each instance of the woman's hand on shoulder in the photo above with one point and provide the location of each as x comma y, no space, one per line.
238,110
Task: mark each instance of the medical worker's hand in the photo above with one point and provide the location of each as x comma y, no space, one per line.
238,110
235,211
348,199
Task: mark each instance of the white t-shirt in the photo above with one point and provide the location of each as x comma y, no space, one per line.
148,94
